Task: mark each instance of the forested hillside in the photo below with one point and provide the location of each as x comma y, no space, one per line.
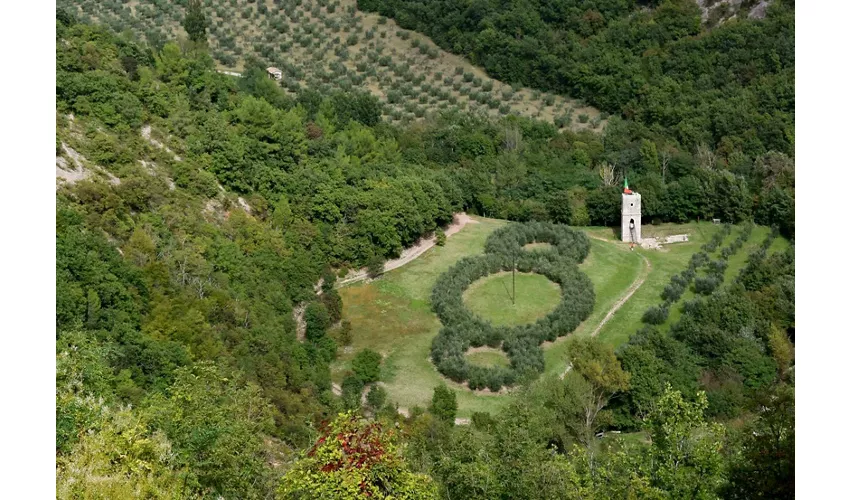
329,45
730,87
202,229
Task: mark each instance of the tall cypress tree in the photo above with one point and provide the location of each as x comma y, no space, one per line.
195,23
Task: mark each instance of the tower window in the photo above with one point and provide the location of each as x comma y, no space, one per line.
631,204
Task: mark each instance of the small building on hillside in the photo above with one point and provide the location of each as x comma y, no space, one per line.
631,215
274,73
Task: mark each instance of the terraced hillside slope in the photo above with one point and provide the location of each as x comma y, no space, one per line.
326,45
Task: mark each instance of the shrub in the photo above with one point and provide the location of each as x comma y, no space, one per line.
367,366
655,315
345,336
376,397
352,388
333,304
583,118
317,320
563,120
704,285
483,421
717,267
375,266
444,404
672,292
440,238
566,242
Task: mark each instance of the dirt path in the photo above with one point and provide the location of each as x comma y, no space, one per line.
632,289
617,305
408,254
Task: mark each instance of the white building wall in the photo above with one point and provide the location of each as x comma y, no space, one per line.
631,212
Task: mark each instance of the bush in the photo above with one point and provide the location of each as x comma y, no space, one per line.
704,285
376,397
345,336
483,421
367,366
717,268
317,320
440,238
352,389
444,404
333,304
672,292
655,315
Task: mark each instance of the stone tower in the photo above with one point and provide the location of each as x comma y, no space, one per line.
631,215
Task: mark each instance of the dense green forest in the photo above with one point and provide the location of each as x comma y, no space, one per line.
182,370
652,61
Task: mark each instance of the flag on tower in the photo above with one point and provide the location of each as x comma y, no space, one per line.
626,189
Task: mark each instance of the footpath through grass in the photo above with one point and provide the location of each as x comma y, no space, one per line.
666,262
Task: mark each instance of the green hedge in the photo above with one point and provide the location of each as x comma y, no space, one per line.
566,242
463,329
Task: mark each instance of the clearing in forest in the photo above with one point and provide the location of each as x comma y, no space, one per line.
393,314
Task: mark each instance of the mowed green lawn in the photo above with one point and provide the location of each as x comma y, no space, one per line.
392,315
487,356
490,298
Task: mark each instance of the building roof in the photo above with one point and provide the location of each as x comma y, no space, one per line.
272,69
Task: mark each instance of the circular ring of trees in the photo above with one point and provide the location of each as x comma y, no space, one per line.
566,242
462,329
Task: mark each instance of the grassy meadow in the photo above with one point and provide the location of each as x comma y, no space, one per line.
490,298
487,356
393,316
